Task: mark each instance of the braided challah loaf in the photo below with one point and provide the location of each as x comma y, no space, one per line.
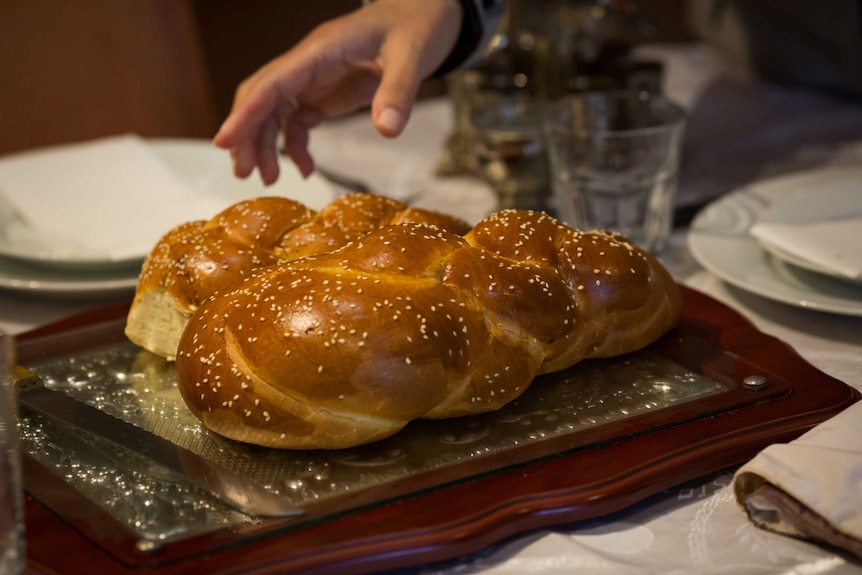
196,259
413,322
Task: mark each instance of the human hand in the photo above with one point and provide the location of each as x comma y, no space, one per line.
378,54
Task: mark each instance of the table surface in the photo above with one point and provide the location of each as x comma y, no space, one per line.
696,528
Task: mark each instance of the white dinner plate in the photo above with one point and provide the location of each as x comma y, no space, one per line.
200,166
204,167
22,276
719,240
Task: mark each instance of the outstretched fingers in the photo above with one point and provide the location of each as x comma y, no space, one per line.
296,130
267,156
377,54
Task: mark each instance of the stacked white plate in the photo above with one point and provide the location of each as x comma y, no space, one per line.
795,239
79,219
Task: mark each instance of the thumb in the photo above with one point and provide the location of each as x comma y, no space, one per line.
396,94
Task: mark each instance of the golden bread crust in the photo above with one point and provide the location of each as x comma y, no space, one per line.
410,321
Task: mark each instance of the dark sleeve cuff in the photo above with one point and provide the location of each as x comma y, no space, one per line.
479,21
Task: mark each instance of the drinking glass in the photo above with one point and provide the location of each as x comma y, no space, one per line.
614,162
11,495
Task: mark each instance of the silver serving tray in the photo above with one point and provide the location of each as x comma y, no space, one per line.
160,506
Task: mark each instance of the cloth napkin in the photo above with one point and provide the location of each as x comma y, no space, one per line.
109,198
810,488
834,245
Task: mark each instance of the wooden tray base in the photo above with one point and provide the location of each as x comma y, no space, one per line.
453,520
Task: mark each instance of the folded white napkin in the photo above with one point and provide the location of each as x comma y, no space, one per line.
110,199
810,488
834,245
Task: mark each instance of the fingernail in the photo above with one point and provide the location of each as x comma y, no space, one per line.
390,120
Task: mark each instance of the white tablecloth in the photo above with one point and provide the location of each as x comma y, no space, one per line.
697,528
